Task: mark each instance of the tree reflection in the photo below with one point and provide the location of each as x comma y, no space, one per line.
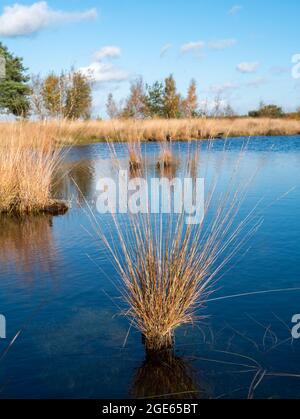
26,243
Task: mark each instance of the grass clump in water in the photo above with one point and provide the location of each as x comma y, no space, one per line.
168,268
28,161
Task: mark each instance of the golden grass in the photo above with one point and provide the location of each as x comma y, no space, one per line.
28,160
167,268
80,132
134,156
166,158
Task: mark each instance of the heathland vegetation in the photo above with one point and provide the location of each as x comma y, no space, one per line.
83,132
28,161
57,109
68,95
167,270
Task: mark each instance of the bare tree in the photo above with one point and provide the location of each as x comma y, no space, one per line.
112,107
37,102
136,102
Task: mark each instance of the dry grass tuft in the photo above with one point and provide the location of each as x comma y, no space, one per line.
28,160
166,158
167,268
134,156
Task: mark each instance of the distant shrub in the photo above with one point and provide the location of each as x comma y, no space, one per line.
267,111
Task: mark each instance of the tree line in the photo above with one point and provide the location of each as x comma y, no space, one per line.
159,100
162,100
65,95
68,95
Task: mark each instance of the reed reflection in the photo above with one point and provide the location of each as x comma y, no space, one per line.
166,376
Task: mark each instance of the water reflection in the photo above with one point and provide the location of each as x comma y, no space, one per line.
26,243
75,181
170,171
166,376
73,347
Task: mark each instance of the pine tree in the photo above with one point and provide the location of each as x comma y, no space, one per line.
14,88
155,100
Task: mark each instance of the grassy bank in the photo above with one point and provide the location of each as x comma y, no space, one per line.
79,132
29,154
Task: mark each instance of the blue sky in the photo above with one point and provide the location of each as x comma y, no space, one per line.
240,51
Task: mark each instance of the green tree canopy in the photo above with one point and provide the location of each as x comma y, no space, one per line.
267,111
14,88
155,100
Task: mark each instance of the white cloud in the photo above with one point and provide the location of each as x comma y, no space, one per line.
260,81
222,88
21,20
165,49
222,43
107,52
247,67
192,46
235,10
104,72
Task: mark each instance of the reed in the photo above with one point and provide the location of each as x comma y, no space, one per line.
28,160
166,158
134,156
81,132
168,269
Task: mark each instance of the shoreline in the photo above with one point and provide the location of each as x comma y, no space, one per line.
91,141
55,208
152,130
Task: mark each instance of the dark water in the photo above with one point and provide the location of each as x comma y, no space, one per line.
57,285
